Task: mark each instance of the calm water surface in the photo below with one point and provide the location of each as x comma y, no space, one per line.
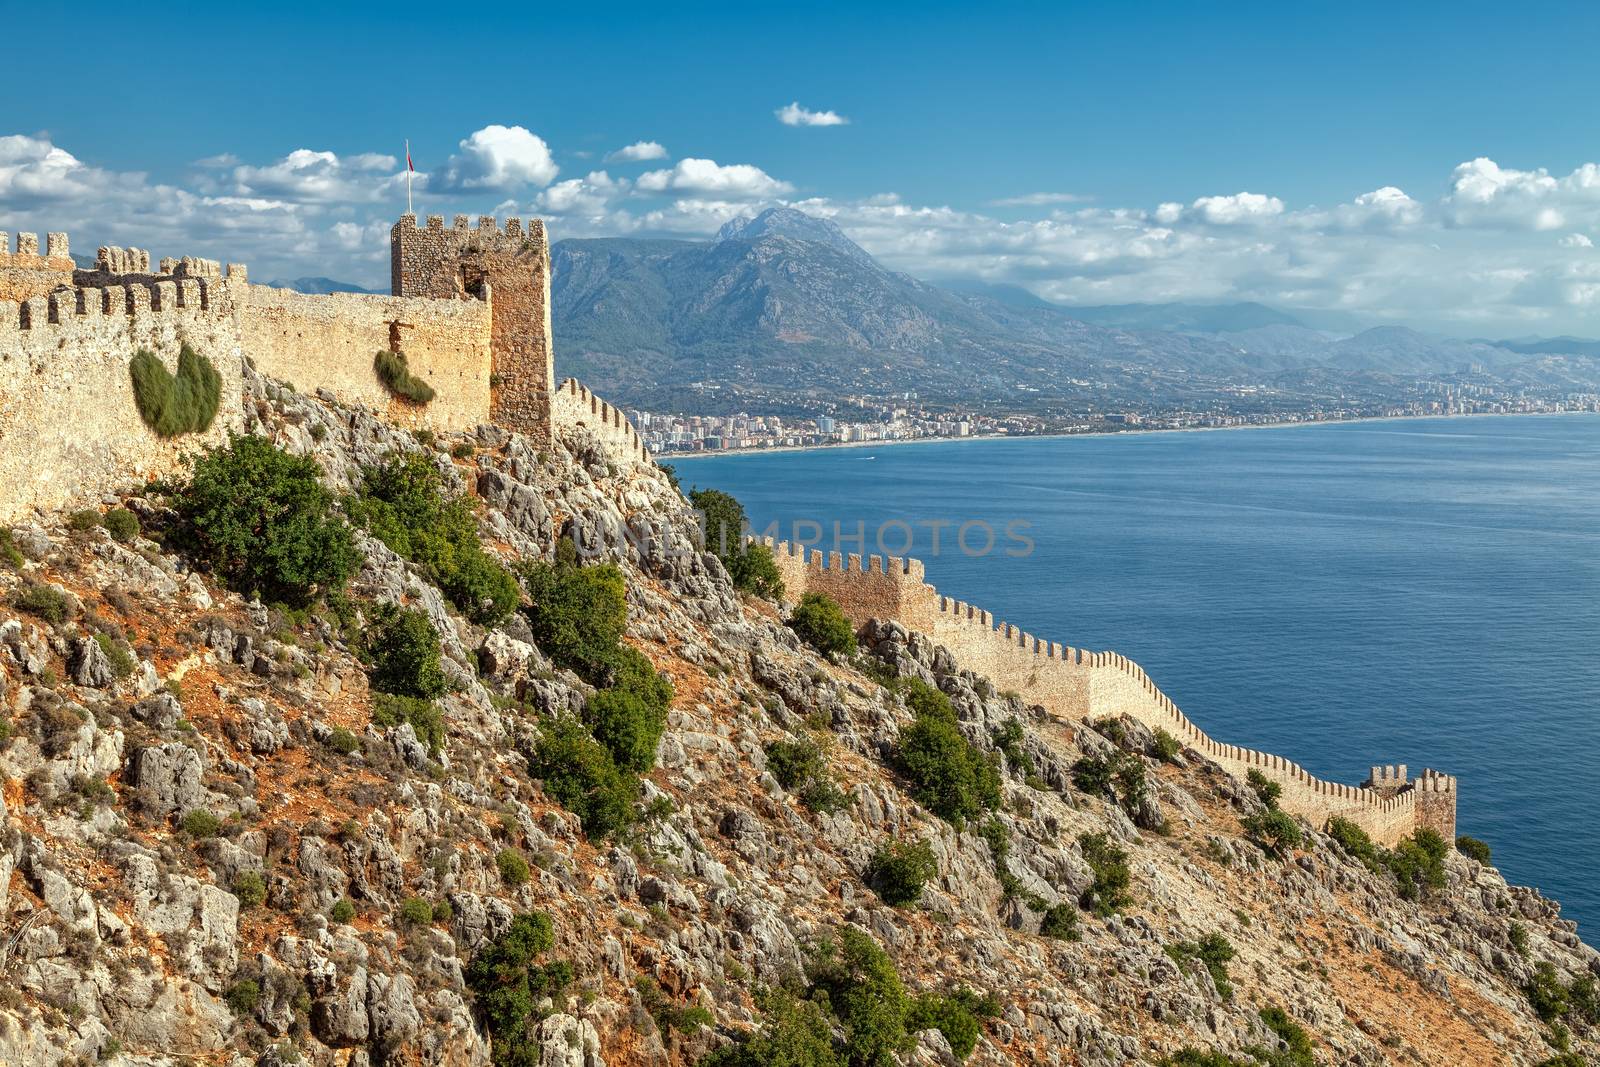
1418,591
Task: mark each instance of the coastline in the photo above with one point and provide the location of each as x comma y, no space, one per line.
676,457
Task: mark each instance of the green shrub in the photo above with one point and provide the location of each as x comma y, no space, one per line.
794,1033
10,555
1199,1057
250,888
426,720
416,912
577,614
1300,1052
199,822
1213,951
755,571
405,654
822,624
580,775
243,996
514,870
342,911
1274,832
83,520
858,982
1265,788
1060,922
750,566
1545,993
794,762
48,603
395,374
1119,776
122,524
404,503
508,983
1355,842
899,870
1418,863
1517,934
824,797
1009,738
343,741
462,450
1472,848
1108,893
442,911
1167,747
117,655
628,727
628,670
952,1016
262,520
176,404
949,775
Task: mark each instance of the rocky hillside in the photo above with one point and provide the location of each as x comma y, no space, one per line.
220,844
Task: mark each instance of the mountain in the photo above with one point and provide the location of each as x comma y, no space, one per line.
322,286
784,308
1184,318
1566,346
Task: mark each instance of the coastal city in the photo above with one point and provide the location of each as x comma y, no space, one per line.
867,422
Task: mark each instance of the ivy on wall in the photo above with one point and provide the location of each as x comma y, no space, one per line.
174,404
397,378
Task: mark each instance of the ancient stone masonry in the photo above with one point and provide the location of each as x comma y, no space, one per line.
1087,685
470,312
575,405
511,268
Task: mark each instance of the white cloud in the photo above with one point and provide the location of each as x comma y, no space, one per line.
1038,200
497,158
1575,240
588,196
795,115
307,175
638,152
705,176
1240,207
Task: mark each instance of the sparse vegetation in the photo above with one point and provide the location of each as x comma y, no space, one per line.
800,767
899,871
243,996
342,911
954,1015
199,823
1060,922
117,655
1119,777
388,709
1108,894
46,602
250,888
10,555
821,623
176,404
395,374
795,1033
405,505
262,521
751,566
948,774
1355,842
121,524
1418,863
1265,788
1213,951
1167,747
1475,849
1274,832
508,982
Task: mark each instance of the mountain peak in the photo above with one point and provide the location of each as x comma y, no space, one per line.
794,224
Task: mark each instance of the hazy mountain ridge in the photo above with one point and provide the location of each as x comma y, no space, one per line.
787,303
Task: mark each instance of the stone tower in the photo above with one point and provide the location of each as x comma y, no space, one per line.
508,267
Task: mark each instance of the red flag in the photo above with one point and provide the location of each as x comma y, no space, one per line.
409,165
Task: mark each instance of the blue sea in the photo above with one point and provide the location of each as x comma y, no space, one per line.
1424,591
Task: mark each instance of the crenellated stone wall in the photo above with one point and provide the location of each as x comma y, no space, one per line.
25,274
575,405
1087,685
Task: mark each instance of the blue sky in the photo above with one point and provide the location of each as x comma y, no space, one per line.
1150,152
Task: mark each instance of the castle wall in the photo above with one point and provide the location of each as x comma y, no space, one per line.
329,342
575,405
25,274
1086,685
510,265
69,428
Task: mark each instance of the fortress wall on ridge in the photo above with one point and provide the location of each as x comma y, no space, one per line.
1085,686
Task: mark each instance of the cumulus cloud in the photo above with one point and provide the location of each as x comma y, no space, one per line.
1240,207
794,115
317,176
496,158
1576,240
708,177
588,196
638,152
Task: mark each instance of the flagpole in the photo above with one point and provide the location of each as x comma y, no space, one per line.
408,178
